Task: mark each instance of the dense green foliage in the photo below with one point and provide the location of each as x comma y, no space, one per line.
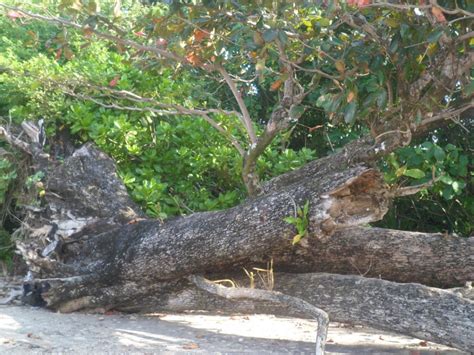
180,164
171,165
449,204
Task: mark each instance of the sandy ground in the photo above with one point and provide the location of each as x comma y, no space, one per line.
28,330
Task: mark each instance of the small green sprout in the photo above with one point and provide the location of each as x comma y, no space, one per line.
300,221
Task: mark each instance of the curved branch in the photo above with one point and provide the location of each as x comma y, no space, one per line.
272,296
180,110
445,115
246,120
465,36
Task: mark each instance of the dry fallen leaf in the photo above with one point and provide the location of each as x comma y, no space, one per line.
438,13
199,35
340,66
350,96
276,85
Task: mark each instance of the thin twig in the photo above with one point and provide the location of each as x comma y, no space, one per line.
14,141
314,70
448,114
246,120
179,111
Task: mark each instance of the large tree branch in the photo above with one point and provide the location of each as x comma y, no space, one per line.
440,316
271,296
90,229
293,95
434,259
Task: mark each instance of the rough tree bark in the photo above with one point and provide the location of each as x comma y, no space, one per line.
442,316
433,259
89,247
89,250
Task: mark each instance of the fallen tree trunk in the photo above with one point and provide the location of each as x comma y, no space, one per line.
440,316
86,200
433,259
90,247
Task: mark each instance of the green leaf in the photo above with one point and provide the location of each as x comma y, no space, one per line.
290,220
392,22
447,193
450,147
93,7
448,180
306,209
282,37
435,35
323,22
414,173
296,111
458,186
439,153
394,45
382,99
401,171
349,113
404,30
270,35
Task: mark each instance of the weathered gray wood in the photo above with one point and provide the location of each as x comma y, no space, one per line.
433,259
415,310
107,248
95,249
272,296
412,309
